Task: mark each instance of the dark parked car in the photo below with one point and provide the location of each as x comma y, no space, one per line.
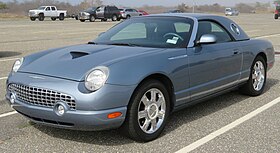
277,12
138,72
102,12
174,11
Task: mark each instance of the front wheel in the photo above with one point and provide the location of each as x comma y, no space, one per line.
257,79
53,18
147,112
41,17
91,18
32,18
82,20
114,18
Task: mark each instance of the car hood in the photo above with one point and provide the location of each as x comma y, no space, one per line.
74,62
34,10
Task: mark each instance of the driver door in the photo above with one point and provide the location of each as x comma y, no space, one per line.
100,12
214,67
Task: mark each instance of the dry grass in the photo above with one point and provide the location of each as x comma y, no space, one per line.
9,16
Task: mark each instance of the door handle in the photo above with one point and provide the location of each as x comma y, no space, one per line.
235,51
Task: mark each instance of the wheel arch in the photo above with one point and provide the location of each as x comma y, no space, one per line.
263,55
166,81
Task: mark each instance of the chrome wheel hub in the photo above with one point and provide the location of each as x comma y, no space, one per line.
151,111
258,76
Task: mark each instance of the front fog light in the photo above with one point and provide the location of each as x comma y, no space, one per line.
59,109
13,98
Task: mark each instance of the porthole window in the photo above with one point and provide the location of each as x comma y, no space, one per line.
235,29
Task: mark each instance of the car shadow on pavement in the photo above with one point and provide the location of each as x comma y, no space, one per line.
176,120
4,54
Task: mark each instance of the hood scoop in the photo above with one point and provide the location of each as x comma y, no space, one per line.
77,54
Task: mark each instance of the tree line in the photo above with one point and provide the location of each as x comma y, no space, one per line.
21,8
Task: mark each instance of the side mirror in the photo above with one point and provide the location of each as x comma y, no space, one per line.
101,34
207,39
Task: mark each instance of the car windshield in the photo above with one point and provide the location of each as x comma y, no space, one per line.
228,9
121,9
158,32
41,8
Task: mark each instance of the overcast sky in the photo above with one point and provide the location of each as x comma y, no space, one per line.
166,2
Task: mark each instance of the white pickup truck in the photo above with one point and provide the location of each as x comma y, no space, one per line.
47,11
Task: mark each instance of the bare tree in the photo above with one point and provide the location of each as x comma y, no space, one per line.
183,7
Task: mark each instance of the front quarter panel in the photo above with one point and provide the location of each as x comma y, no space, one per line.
134,70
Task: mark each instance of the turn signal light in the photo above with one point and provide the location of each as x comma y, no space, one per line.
114,115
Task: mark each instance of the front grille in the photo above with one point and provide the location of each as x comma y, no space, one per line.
40,96
31,13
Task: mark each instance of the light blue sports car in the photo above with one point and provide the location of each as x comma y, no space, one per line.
138,72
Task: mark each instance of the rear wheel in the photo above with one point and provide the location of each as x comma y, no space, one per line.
41,17
147,112
53,18
92,18
257,79
61,17
276,16
128,17
114,18
82,20
32,18
104,19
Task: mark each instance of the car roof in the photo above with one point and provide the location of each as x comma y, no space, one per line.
226,22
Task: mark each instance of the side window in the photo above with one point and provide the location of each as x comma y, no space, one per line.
48,9
53,8
208,27
182,27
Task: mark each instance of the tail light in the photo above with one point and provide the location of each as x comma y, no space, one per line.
276,12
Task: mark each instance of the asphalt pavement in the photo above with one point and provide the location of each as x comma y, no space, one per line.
260,133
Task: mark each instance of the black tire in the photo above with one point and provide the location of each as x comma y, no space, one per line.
119,19
114,17
82,20
41,17
53,18
32,18
76,17
104,19
92,18
248,88
276,16
128,17
61,17
131,126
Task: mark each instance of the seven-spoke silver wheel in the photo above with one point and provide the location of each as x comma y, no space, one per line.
258,75
151,111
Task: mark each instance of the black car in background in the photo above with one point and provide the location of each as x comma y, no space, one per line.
101,12
174,11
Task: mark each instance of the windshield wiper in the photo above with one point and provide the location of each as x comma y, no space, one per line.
124,44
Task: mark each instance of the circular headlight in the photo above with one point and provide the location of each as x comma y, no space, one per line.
96,78
17,64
